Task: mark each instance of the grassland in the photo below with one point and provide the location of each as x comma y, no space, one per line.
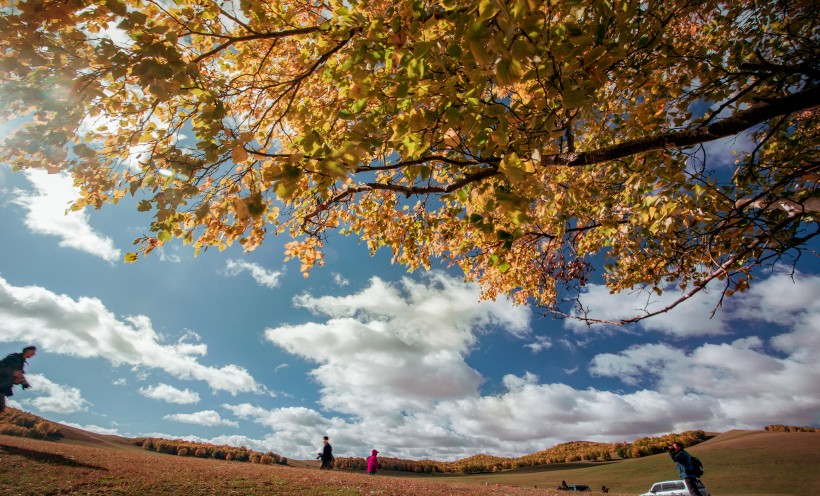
757,463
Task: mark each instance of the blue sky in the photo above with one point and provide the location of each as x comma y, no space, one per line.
239,348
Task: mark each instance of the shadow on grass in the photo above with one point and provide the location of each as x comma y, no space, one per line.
42,457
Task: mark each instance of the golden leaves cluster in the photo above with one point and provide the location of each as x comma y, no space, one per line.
511,138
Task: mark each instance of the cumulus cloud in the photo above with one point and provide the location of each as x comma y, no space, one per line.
53,397
382,385
750,380
85,328
739,383
170,394
46,214
541,343
207,418
765,299
694,318
261,275
394,347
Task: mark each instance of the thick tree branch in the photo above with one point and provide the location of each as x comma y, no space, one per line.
803,100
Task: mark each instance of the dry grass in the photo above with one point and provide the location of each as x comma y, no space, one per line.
757,463
738,463
35,468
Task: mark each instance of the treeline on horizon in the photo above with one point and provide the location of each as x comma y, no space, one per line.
574,451
181,447
790,428
16,422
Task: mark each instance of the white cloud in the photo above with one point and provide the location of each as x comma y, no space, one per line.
390,348
166,255
765,299
52,397
85,328
386,358
541,343
725,151
262,276
738,384
693,318
170,394
207,418
340,280
46,214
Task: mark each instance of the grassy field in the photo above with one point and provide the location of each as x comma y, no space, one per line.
737,463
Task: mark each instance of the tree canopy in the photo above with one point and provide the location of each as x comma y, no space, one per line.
527,142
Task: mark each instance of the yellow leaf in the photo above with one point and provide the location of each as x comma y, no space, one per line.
451,138
239,155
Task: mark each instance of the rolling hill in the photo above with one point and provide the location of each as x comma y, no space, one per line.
760,463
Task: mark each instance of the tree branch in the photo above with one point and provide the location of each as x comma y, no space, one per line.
802,100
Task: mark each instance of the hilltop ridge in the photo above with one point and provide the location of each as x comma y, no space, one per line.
738,462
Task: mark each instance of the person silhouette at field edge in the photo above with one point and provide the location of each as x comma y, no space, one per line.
13,372
373,464
326,455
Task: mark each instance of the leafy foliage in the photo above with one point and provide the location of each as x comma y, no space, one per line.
14,422
181,447
790,428
522,141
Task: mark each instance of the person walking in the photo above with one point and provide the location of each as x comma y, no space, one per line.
326,455
13,372
373,464
685,468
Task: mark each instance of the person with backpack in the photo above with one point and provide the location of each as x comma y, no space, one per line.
689,467
373,464
13,372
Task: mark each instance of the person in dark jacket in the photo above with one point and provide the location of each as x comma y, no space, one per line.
13,372
326,455
685,468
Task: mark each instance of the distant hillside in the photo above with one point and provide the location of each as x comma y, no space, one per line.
18,423
574,451
14,422
738,462
751,463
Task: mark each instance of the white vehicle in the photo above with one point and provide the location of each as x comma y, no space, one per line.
673,488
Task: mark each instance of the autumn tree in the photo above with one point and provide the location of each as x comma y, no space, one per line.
526,142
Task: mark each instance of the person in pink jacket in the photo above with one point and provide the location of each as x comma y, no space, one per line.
373,464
